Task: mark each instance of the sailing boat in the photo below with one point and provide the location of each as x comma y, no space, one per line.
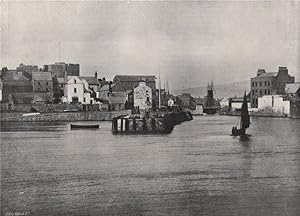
245,119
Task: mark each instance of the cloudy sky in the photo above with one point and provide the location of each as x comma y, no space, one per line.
188,43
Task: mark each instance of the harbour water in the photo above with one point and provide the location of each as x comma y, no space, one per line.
198,169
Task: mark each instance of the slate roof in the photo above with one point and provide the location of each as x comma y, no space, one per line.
119,99
292,88
133,78
41,76
91,80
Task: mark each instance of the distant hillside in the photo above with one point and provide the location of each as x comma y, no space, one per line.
221,91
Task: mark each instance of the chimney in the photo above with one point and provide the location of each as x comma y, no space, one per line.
283,70
96,75
260,71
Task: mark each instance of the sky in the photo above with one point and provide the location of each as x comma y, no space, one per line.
187,43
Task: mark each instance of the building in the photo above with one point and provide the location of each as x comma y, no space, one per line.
27,70
274,103
1,87
142,96
124,82
77,91
293,93
8,74
269,83
93,84
224,103
187,101
235,104
42,87
59,69
17,89
117,101
58,88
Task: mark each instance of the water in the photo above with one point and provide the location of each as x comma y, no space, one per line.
199,169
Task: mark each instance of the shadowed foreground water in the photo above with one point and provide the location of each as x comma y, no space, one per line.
199,169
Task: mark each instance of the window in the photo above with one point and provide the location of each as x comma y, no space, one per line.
74,90
39,83
47,89
268,83
253,84
260,92
75,81
91,102
47,83
260,84
266,91
84,99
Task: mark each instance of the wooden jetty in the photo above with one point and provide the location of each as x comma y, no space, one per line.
160,123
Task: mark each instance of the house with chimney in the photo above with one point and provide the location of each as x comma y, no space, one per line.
269,83
42,87
293,94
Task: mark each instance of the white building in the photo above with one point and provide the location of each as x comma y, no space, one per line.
142,96
274,103
77,91
224,103
235,104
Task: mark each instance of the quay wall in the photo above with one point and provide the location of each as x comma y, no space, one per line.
46,108
63,116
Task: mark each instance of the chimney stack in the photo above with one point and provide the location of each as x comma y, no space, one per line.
260,71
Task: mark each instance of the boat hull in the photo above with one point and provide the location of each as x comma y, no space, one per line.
75,126
238,132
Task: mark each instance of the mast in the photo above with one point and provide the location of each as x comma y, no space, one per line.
159,103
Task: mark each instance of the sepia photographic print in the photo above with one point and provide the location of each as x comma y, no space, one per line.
150,108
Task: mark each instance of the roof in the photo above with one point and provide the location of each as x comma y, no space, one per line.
118,99
41,76
61,80
105,87
134,78
90,80
269,74
292,88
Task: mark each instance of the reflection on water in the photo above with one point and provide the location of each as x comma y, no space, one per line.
199,169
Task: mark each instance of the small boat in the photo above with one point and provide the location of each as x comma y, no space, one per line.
244,121
84,126
31,114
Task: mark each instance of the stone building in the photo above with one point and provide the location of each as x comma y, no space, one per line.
42,87
60,69
269,83
124,82
293,93
142,96
27,70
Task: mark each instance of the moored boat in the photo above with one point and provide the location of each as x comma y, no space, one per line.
84,126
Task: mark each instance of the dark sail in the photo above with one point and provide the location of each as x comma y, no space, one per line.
245,118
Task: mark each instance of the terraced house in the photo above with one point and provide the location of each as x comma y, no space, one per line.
269,83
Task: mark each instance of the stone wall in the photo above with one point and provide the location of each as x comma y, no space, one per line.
47,108
66,116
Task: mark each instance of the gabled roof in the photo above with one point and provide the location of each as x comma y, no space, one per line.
134,78
74,77
292,88
90,80
105,87
41,76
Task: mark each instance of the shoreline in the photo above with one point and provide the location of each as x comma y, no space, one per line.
63,117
